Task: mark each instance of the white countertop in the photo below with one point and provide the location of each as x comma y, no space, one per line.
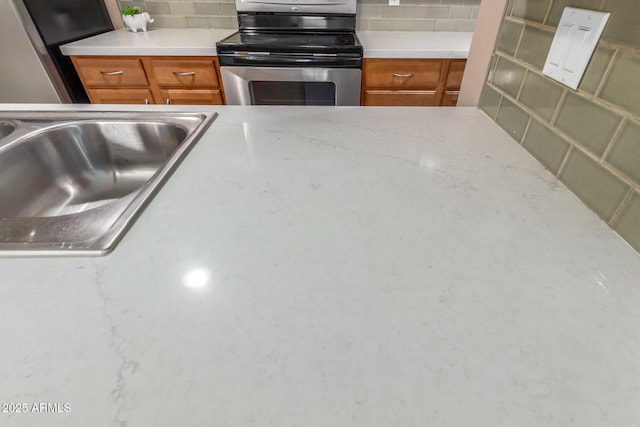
412,44
366,267
162,41
194,42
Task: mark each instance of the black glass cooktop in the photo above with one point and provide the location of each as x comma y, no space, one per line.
265,41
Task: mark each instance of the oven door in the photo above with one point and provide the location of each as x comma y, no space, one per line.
291,86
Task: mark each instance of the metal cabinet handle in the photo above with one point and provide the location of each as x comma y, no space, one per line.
403,75
111,73
168,101
146,101
186,73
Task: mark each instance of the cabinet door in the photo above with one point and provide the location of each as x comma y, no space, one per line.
456,71
120,96
450,98
191,96
110,71
187,72
402,73
400,98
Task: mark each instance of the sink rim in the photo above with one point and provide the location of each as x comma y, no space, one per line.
7,124
32,124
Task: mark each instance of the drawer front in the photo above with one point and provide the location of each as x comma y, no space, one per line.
111,71
120,96
185,72
456,71
400,98
191,97
402,74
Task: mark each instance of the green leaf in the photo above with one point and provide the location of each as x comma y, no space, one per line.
131,10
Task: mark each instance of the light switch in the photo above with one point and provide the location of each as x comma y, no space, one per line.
575,40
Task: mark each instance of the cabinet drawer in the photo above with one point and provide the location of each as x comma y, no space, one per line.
192,97
402,74
185,72
110,71
400,98
120,96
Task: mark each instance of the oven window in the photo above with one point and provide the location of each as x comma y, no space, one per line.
292,93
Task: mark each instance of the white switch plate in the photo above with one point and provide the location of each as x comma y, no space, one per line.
394,2
576,38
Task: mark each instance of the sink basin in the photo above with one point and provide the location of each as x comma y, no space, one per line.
6,128
76,182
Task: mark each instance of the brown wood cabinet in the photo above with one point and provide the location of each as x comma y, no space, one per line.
174,80
454,80
411,82
120,96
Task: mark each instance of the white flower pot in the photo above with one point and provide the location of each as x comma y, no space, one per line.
137,22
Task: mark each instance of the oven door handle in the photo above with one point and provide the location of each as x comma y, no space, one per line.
287,60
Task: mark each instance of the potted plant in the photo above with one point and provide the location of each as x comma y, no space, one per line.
135,19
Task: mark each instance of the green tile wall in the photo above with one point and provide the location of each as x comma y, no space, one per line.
587,122
541,95
625,154
534,46
512,119
596,70
508,76
490,101
588,138
417,15
623,25
546,146
509,37
372,15
622,87
533,10
597,187
628,223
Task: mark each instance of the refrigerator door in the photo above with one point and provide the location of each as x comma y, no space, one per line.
51,23
68,20
23,77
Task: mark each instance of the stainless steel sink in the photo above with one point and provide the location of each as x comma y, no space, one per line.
6,128
73,183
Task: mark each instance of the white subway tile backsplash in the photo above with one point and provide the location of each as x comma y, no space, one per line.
438,11
372,15
447,25
463,12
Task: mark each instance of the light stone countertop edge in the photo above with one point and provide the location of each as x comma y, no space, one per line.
201,42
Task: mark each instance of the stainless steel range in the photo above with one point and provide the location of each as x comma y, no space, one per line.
292,52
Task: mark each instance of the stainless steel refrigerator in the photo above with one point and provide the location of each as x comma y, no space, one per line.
32,68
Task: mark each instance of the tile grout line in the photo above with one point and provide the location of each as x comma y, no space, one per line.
520,37
548,12
556,112
565,160
605,75
532,24
521,88
621,206
526,129
613,140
